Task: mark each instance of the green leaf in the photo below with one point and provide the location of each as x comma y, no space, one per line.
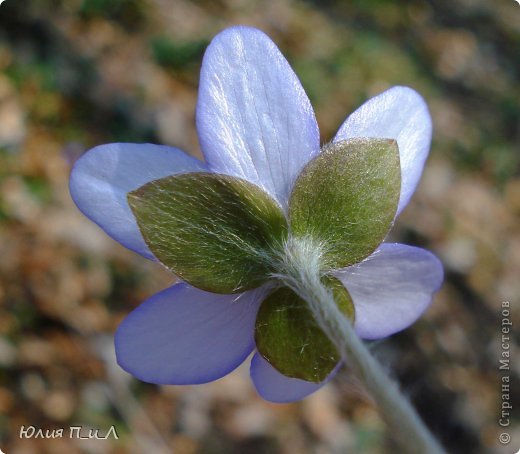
216,232
287,335
346,198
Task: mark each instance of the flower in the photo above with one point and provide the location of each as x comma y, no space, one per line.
255,123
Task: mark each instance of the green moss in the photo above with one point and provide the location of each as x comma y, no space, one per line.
176,56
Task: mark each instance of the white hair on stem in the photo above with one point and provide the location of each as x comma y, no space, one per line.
300,269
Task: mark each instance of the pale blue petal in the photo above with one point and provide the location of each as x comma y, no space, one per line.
253,117
184,336
392,288
399,113
103,176
275,387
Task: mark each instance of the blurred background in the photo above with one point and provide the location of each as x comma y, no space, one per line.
77,73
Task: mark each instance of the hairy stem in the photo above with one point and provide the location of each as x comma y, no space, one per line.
301,273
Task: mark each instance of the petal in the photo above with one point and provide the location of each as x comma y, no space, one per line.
391,288
183,335
102,177
399,113
253,117
275,387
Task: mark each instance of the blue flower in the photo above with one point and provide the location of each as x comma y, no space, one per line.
254,122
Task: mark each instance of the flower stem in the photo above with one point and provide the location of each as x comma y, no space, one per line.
303,277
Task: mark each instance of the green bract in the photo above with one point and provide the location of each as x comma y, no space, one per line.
346,199
226,235
287,335
216,232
